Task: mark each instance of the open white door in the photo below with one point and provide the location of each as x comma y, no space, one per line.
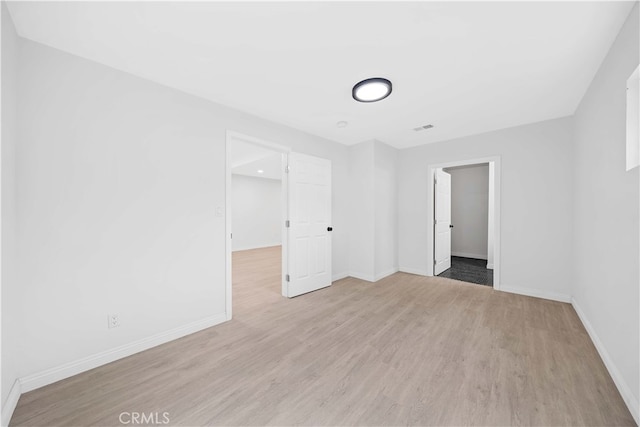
442,226
309,224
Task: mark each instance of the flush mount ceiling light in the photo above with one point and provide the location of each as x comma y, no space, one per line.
342,124
371,90
260,171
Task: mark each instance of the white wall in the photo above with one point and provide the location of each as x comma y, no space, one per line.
373,210
9,278
118,181
536,176
606,211
361,211
469,210
256,212
386,210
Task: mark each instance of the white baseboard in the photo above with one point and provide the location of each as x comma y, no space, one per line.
623,387
553,296
49,376
10,404
415,271
362,276
372,278
339,276
468,255
490,266
384,274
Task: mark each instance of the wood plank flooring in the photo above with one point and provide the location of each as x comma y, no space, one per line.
407,350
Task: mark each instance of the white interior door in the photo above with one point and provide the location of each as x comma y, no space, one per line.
309,224
442,226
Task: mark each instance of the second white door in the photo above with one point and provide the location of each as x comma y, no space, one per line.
442,226
309,233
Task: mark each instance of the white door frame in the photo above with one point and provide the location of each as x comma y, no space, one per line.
230,137
494,162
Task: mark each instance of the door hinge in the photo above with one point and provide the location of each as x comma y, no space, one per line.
287,278
287,169
435,262
435,180
287,224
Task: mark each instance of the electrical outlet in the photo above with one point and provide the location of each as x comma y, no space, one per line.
113,320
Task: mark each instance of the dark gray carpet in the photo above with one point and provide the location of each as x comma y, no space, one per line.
469,270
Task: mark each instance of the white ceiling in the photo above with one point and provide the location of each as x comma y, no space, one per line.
247,159
464,67
270,167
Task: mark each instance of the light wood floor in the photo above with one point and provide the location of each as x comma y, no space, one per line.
406,350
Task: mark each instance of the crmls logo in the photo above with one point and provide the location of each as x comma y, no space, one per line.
144,418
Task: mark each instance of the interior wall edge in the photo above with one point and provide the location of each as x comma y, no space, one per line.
362,276
386,273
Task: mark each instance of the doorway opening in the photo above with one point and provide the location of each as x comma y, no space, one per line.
256,211
469,225
464,217
278,213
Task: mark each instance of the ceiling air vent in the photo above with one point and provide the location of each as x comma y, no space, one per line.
418,129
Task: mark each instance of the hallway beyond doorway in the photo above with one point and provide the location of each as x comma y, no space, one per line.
469,270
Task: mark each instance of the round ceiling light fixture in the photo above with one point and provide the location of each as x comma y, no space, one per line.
342,124
371,90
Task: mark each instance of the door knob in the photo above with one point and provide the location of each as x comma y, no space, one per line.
329,228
